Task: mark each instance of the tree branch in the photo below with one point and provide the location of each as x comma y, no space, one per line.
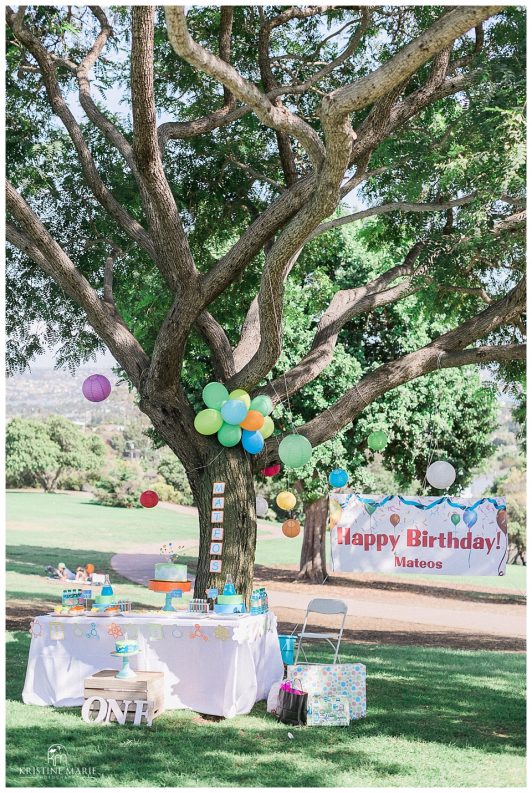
36,242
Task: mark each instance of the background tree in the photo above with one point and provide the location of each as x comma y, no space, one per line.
279,113
41,452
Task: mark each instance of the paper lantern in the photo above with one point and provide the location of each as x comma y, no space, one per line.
338,478
377,440
242,396
214,395
229,434
271,470
262,403
291,528
208,421
267,428
286,500
253,442
295,451
441,474
261,506
96,388
253,421
149,499
234,411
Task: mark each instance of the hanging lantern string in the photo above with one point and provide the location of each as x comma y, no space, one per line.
432,436
278,328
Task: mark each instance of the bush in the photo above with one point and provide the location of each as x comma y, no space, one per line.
121,487
173,473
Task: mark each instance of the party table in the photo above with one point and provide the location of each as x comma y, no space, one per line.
211,665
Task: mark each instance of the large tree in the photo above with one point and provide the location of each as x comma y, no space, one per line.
280,113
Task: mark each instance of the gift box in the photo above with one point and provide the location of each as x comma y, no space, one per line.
333,680
328,711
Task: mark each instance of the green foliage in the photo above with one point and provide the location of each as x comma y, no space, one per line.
512,487
40,452
173,473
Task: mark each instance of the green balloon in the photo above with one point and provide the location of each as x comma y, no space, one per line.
295,451
229,434
377,440
263,404
214,395
242,395
267,428
455,518
207,422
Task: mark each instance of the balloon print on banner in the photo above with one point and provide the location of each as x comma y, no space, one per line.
394,519
502,520
470,517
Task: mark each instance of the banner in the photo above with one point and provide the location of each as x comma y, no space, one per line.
418,534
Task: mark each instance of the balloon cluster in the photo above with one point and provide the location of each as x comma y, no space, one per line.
235,418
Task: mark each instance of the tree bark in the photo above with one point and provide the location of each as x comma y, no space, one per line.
313,565
239,524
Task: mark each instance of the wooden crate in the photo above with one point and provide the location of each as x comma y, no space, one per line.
147,686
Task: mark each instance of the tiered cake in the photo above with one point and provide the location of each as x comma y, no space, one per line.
170,576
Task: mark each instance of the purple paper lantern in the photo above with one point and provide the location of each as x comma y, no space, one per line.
96,388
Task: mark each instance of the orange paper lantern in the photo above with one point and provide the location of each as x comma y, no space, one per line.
291,528
253,421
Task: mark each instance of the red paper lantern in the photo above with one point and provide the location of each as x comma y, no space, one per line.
149,499
271,470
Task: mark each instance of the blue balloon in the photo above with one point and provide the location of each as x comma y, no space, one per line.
234,411
253,442
338,478
470,517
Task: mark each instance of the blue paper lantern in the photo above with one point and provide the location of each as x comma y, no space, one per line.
253,442
234,411
338,478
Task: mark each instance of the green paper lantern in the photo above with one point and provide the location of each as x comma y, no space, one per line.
229,434
267,428
377,440
295,451
263,404
207,422
214,395
242,395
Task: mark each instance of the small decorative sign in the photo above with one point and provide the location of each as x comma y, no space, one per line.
217,533
218,488
218,502
107,708
216,548
215,566
217,516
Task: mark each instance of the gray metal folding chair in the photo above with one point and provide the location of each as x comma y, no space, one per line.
322,606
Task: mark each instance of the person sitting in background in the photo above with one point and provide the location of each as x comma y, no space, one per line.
64,573
81,574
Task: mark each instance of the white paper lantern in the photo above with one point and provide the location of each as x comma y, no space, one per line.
441,474
261,506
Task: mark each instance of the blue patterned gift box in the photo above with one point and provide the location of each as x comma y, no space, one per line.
328,711
333,680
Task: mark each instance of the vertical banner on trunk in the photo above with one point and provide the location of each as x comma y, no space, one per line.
418,534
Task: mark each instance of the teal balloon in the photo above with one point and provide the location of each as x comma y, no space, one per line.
234,411
214,395
229,434
295,451
455,519
253,442
377,440
262,403
207,422
370,508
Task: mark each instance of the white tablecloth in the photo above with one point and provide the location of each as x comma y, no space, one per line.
219,667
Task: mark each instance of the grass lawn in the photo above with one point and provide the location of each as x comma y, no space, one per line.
435,718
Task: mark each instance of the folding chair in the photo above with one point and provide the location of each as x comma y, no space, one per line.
322,606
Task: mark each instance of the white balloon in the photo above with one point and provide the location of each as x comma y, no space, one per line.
261,506
441,474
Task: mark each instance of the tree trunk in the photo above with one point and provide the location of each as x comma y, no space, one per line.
239,522
313,566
